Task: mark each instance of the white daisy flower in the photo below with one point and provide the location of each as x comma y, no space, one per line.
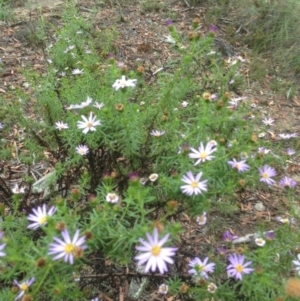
40,216
157,133
201,219
194,186
268,121
163,289
203,153
153,177
88,124
82,150
60,125
18,190
99,106
211,288
123,83
77,71
260,241
86,103
112,198
153,254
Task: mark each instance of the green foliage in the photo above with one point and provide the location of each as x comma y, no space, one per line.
191,100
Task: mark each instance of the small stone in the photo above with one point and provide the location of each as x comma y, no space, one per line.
259,206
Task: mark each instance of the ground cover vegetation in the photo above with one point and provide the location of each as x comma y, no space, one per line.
131,156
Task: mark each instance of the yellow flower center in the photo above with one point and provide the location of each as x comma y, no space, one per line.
89,124
194,184
239,268
265,175
43,220
203,155
155,251
69,248
24,286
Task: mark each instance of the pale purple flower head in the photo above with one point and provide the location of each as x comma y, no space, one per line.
239,165
2,246
270,235
40,216
290,152
237,267
23,286
267,173
201,268
169,22
153,255
222,251
194,186
213,28
67,248
287,182
228,236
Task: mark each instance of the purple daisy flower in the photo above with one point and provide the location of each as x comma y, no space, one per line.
287,182
201,268
68,248
237,267
239,165
228,236
267,173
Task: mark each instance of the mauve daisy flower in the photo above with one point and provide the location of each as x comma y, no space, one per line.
287,182
203,153
2,254
154,256
201,268
267,173
88,124
287,136
290,152
270,235
82,150
194,186
123,83
40,216
239,165
228,236
263,150
237,267
60,125
68,248
23,286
